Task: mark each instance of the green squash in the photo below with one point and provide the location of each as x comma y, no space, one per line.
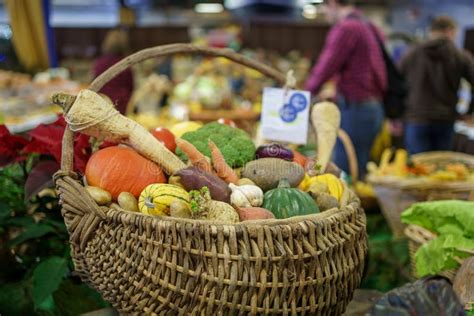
285,202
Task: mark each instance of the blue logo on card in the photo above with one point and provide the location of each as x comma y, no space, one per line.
288,113
298,101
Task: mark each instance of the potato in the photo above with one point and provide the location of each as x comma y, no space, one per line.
267,172
128,202
254,213
180,209
245,181
324,200
194,179
99,195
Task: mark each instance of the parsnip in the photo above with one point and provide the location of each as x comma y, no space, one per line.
326,119
90,114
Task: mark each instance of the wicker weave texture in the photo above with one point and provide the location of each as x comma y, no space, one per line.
168,266
144,264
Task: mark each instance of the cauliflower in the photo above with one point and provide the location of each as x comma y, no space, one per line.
234,144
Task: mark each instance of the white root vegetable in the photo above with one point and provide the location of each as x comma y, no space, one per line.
92,115
326,119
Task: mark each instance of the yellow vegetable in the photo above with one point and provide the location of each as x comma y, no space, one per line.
157,198
385,160
304,185
364,189
334,184
400,162
444,175
179,129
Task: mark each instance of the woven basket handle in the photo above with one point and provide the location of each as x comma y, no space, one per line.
351,154
191,49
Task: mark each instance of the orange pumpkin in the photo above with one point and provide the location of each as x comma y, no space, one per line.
122,169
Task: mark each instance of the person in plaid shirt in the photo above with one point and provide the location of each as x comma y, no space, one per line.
352,54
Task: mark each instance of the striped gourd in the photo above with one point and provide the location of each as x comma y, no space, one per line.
156,198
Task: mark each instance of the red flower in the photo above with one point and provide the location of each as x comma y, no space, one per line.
47,140
10,147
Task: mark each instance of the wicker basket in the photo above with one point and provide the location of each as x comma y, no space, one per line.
151,265
395,194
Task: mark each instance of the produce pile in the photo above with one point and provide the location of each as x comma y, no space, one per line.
403,167
209,172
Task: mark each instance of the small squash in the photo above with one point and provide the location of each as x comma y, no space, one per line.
285,202
157,198
121,169
334,184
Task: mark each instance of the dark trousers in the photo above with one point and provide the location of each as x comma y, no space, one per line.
423,137
362,121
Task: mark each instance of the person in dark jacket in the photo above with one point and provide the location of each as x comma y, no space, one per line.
119,89
433,71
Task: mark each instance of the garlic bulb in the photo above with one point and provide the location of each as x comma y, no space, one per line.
246,195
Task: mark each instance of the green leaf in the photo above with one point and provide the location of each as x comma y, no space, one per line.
438,255
14,299
450,217
46,279
20,221
75,298
5,212
31,232
47,305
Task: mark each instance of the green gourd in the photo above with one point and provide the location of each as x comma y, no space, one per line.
285,201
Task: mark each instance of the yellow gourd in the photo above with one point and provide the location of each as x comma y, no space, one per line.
157,198
305,184
335,186
400,162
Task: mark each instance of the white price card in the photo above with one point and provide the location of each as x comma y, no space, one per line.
285,115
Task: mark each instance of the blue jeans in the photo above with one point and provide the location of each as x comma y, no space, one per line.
422,137
362,121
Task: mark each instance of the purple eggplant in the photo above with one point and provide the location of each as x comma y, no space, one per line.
274,151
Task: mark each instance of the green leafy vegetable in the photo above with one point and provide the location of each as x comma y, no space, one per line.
453,221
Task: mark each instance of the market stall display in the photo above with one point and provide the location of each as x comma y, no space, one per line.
24,101
211,261
429,176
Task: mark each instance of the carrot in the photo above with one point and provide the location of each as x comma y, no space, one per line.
223,170
195,156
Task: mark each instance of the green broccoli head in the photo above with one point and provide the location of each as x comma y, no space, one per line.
234,144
